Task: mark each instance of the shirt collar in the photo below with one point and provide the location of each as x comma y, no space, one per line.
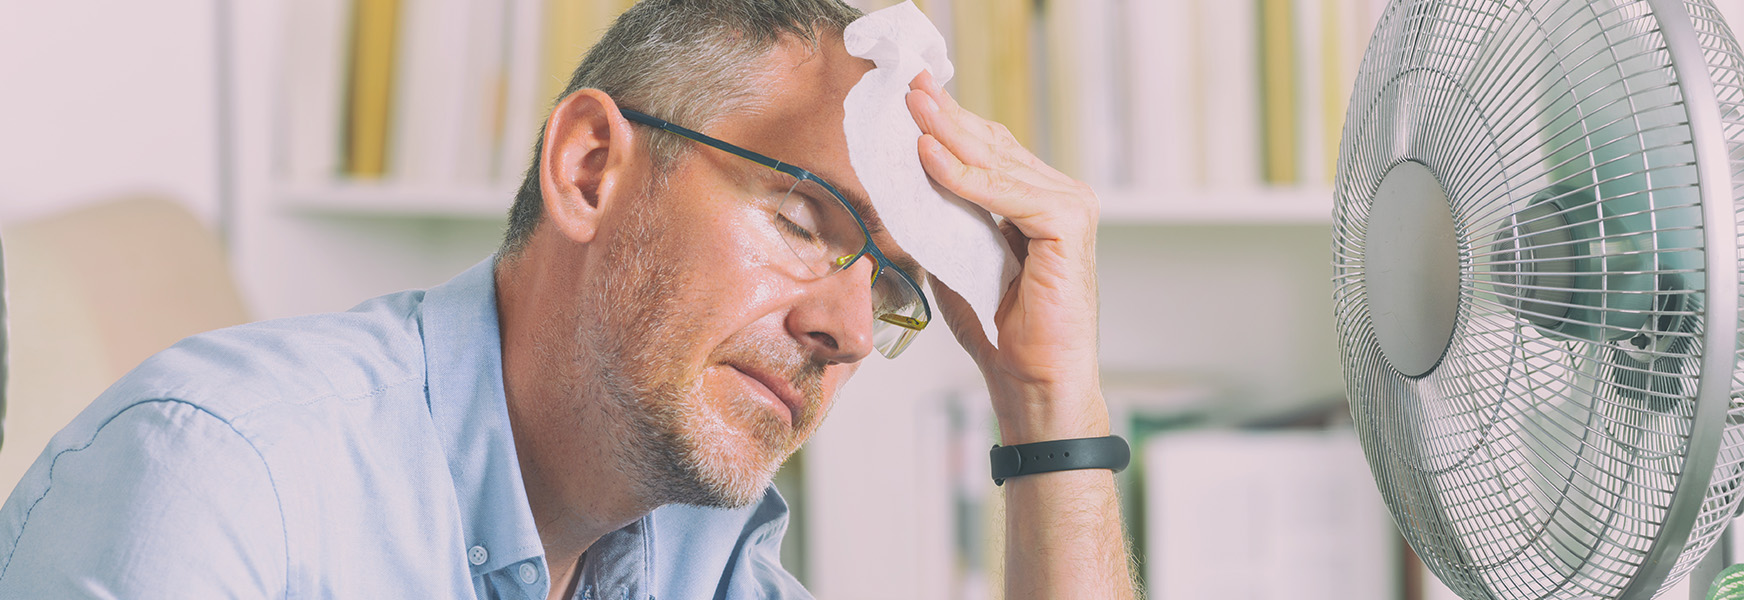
463,358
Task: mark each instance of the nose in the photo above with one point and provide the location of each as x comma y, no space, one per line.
834,318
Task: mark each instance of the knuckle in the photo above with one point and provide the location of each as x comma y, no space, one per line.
1087,195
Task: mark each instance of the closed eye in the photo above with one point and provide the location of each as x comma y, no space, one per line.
793,229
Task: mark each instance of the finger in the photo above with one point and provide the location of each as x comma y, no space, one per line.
987,130
923,81
1021,171
1045,209
969,146
962,321
948,105
977,141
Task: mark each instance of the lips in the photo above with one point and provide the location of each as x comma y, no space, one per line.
778,386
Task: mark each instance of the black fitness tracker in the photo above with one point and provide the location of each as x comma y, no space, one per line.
1109,452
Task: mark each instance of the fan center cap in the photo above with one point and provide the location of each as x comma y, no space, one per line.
1411,268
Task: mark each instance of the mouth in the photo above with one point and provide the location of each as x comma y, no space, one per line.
778,392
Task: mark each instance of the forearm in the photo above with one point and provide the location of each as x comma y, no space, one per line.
1063,531
1063,537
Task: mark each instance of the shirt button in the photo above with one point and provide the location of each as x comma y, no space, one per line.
529,573
477,555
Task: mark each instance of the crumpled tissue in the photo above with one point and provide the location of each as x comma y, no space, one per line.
956,241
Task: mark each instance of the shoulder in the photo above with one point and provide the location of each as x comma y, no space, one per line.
237,370
161,498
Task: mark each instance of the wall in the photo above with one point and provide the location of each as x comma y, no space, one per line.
106,98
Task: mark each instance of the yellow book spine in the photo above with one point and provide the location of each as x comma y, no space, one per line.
1064,58
572,27
372,75
567,24
1335,82
1278,92
973,48
1014,70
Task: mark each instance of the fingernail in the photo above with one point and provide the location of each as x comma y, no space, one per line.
932,105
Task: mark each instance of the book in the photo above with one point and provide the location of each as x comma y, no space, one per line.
1158,95
313,96
1316,60
571,28
1226,82
1085,121
524,106
1349,25
370,87
1279,67
971,48
1014,30
484,103
451,51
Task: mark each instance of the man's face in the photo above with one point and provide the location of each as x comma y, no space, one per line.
722,363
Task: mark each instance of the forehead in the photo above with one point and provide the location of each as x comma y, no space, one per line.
796,112
796,117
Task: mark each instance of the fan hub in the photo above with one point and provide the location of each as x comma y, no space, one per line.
1412,270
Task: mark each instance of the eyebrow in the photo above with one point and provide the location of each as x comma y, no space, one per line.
875,226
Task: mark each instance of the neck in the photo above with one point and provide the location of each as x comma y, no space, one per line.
565,429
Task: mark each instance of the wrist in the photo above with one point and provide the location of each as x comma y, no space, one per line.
1057,415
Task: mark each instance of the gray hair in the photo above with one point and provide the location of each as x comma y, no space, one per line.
687,61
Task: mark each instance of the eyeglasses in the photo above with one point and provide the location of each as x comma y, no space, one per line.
826,235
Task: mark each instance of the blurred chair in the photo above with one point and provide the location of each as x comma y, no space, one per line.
93,292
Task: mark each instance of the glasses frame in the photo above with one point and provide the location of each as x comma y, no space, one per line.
868,249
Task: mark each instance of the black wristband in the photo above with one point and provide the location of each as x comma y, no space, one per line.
1059,455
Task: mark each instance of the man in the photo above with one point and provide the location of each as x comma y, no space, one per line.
597,411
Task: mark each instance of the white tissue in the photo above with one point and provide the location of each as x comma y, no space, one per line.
955,240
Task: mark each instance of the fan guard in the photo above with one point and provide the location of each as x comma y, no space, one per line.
1536,287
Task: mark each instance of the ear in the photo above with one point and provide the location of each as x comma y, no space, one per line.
587,163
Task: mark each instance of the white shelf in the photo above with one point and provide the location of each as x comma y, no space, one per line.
396,199
1257,206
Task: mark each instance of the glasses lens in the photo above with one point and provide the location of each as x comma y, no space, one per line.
818,228
826,238
898,312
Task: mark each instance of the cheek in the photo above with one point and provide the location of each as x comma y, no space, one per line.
735,268
725,294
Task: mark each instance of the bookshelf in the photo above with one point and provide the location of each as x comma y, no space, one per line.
1255,206
307,238
373,198
1104,106
1120,208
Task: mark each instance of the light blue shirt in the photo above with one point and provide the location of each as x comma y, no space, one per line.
364,454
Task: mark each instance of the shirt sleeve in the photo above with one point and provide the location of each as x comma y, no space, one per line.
161,500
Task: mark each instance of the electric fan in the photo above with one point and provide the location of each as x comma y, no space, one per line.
1537,288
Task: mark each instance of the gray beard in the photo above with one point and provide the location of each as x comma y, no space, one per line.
666,439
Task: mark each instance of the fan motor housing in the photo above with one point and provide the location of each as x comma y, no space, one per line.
1413,268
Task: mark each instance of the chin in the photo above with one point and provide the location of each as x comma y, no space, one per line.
731,450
